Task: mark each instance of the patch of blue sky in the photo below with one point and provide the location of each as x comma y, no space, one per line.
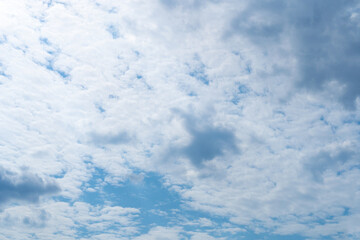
22,48
242,90
323,119
63,74
160,206
49,3
248,68
59,175
247,234
333,127
3,39
354,167
346,211
96,196
250,235
146,195
192,94
100,108
199,74
50,66
114,31
112,10
280,112
83,232
351,120
49,48
3,72
44,41
140,77
63,199
113,96
149,196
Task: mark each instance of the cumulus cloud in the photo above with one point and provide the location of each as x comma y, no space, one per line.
24,187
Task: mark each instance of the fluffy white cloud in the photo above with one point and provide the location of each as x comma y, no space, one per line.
59,220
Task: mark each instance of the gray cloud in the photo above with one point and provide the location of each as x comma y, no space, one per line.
207,144
187,4
102,139
39,220
323,161
207,141
25,187
324,37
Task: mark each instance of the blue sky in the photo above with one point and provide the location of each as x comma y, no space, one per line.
179,119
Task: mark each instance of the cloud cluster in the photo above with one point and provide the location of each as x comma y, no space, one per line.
321,36
247,113
24,187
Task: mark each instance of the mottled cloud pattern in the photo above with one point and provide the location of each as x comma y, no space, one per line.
179,119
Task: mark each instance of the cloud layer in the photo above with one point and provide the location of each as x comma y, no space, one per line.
179,119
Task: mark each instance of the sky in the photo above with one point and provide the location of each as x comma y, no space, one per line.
179,119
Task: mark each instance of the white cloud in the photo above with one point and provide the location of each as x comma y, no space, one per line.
59,220
162,233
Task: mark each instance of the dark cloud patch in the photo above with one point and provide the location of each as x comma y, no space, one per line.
169,3
207,144
324,34
323,161
187,4
261,22
326,47
207,141
25,187
103,139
